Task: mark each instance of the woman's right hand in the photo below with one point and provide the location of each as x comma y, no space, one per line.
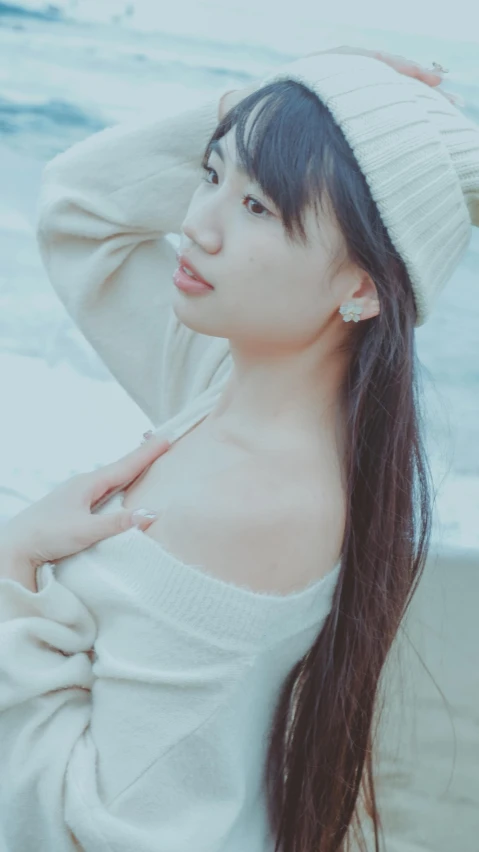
61,523
400,64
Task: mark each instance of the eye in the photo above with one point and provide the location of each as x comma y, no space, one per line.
262,213
258,204
207,170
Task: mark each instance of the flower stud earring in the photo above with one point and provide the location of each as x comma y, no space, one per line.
351,311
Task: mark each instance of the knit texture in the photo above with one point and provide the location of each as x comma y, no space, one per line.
137,692
418,153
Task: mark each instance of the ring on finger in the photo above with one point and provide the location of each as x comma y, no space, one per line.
440,68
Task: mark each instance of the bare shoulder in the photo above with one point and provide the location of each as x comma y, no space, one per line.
289,547
266,530
307,519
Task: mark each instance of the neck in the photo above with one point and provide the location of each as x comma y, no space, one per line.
272,397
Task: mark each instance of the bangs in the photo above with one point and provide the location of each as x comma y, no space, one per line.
283,137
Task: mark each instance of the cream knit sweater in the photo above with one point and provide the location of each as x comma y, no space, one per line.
137,692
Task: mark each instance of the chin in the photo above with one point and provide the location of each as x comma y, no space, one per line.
190,313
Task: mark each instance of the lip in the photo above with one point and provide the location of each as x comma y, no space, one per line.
182,280
183,261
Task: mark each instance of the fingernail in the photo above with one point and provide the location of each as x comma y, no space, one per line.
140,517
147,436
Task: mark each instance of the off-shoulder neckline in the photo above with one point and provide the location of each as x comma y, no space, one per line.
173,430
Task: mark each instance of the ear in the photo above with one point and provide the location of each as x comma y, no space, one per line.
366,295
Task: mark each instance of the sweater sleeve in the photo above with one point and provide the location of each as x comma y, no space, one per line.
106,206
45,700
99,690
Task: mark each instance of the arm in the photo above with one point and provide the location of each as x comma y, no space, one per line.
78,738
45,683
97,749
105,207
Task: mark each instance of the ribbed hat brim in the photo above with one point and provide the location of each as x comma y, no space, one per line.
417,152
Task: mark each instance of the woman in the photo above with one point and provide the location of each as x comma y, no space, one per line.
212,681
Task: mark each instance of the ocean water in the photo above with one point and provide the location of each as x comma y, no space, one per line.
70,69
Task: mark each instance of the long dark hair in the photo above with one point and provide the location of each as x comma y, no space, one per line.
319,767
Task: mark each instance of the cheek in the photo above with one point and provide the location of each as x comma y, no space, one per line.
276,303
265,262
263,281
298,303
274,290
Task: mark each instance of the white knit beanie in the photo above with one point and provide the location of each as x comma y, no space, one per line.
418,153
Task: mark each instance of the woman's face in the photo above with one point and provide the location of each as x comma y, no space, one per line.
269,293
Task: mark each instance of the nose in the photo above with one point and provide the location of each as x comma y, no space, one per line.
201,226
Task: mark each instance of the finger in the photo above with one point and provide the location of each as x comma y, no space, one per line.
409,68
106,526
425,75
129,467
432,78
135,461
398,63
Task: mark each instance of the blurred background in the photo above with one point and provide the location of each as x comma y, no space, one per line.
72,68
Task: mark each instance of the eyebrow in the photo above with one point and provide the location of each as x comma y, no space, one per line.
216,148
